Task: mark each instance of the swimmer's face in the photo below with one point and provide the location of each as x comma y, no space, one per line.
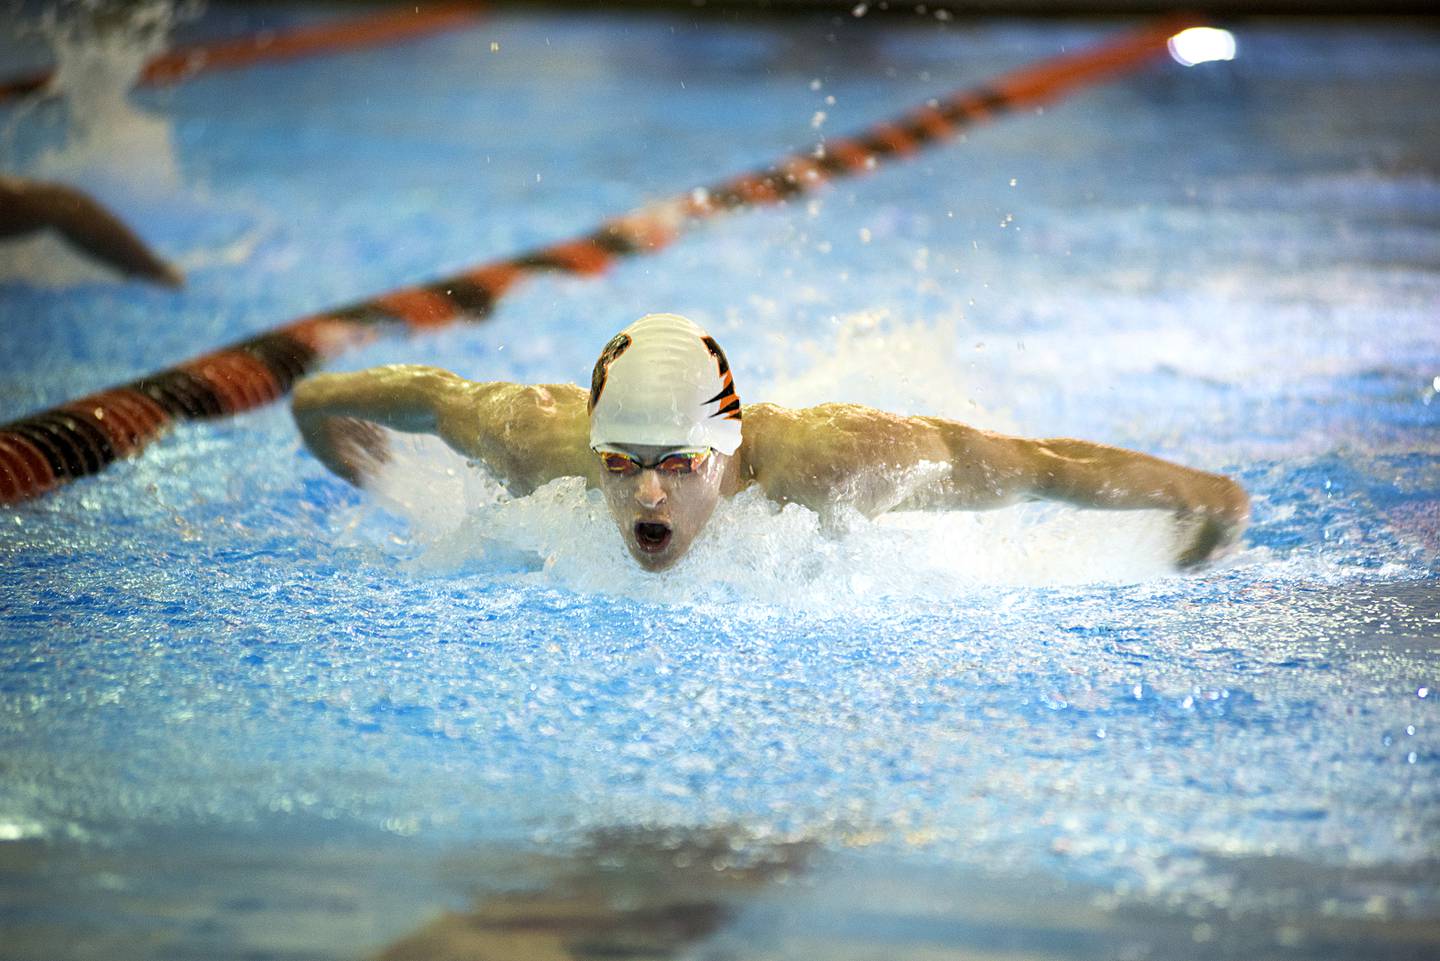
660,510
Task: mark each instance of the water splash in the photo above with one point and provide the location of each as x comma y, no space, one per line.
882,360
100,49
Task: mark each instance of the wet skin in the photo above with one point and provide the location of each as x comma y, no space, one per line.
660,515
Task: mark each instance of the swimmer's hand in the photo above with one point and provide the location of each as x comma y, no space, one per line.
1207,536
353,449
329,425
27,206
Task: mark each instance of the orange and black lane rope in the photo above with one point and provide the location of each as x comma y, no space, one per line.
50,448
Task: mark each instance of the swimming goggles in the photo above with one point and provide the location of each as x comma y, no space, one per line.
675,462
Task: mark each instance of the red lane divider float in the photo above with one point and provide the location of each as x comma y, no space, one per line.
44,450
182,63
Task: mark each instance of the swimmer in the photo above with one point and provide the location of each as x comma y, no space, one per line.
659,433
27,206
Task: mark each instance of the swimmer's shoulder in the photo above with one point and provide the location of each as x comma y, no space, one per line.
814,455
820,428
506,399
803,454
528,434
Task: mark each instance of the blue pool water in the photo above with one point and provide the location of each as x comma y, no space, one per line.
248,711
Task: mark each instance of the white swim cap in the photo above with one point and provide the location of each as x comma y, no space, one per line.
664,382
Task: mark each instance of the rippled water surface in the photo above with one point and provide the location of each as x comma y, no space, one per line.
246,710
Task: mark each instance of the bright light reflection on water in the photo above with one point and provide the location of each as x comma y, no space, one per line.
1197,45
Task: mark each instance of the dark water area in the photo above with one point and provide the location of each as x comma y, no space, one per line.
309,891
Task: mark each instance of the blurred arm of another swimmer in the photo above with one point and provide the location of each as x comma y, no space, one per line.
828,458
27,206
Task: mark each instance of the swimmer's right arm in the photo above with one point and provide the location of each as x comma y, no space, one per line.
525,435
337,414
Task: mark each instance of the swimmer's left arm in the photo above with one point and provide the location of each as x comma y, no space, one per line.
842,454
1086,474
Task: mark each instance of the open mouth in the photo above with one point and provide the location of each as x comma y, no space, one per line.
652,536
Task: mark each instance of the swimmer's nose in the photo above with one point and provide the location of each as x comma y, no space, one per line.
648,492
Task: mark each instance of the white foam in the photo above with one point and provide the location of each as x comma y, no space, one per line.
100,49
875,358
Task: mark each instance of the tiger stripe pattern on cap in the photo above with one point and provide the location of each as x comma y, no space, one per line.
728,400
617,346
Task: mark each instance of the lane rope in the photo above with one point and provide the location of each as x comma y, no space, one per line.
182,63
44,450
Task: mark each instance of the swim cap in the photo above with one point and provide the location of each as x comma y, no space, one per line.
664,382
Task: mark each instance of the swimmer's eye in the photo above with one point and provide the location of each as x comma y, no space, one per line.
617,463
683,462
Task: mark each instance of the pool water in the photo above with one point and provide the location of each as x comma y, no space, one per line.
248,711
